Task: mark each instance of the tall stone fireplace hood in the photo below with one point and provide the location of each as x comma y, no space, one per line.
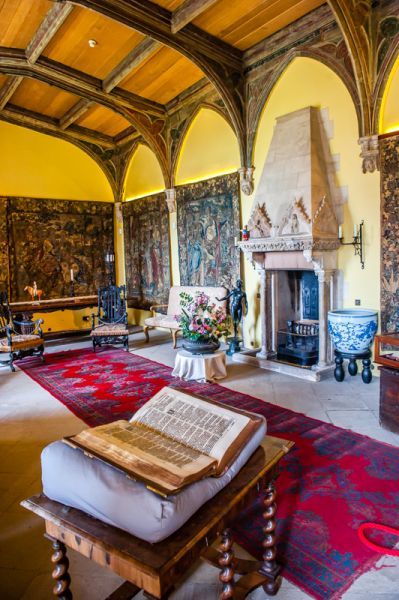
295,206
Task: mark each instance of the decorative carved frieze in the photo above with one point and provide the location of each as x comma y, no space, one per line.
369,153
260,224
281,244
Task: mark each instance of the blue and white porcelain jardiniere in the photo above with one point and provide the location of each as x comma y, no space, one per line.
352,330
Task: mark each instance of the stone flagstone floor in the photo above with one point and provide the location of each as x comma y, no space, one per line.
30,418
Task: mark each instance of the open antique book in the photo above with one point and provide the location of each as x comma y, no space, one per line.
173,440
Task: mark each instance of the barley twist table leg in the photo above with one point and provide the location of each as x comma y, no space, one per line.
270,567
225,561
60,572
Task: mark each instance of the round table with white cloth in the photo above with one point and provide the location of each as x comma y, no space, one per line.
200,367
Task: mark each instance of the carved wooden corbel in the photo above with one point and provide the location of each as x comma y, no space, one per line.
171,199
370,153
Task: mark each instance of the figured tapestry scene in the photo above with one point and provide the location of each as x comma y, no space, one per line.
207,223
146,228
3,246
389,235
49,238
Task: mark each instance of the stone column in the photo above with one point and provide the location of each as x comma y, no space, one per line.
324,278
263,311
274,310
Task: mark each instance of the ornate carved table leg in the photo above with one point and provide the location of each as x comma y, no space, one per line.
270,568
60,572
339,372
225,561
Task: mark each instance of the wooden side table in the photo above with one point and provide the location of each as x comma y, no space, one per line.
157,568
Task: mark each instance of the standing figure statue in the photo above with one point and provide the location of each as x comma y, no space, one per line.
238,307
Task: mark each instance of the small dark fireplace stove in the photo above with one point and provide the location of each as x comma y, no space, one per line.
298,343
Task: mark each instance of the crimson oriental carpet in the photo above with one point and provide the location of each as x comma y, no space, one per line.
332,481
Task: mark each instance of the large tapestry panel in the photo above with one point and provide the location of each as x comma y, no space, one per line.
390,234
3,246
147,251
48,238
208,220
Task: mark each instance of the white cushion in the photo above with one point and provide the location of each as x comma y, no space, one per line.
104,492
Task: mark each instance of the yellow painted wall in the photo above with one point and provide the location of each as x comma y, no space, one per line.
36,165
307,82
209,148
389,115
144,175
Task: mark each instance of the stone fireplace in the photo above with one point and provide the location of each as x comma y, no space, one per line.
293,246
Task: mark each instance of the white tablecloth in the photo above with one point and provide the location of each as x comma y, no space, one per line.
201,367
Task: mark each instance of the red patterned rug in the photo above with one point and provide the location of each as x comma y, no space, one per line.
331,482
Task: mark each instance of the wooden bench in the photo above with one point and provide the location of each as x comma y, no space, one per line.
173,308
157,568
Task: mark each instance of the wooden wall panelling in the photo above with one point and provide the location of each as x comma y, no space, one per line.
208,221
47,238
147,251
389,151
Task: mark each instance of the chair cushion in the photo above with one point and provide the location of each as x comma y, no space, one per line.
107,494
21,341
110,329
167,321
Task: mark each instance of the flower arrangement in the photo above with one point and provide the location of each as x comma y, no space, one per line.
201,320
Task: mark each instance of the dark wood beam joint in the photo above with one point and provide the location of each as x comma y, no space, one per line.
8,89
76,111
188,11
47,30
135,58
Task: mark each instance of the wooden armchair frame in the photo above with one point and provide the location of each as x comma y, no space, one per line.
18,338
154,312
111,317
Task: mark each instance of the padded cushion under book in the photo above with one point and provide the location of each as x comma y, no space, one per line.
104,492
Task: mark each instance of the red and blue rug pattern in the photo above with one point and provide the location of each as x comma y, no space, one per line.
332,481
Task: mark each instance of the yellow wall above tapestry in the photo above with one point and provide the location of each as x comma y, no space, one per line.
144,175
306,82
389,116
36,165
209,148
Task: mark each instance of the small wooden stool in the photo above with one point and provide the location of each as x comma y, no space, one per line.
157,568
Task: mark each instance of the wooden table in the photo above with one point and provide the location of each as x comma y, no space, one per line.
157,568
53,304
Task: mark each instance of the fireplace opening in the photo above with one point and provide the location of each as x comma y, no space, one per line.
298,318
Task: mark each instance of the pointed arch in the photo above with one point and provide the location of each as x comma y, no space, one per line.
388,77
143,173
255,109
227,163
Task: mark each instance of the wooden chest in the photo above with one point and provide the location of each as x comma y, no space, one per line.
389,399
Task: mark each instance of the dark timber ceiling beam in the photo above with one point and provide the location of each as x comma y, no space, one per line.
13,61
8,89
76,111
188,11
50,126
135,58
47,30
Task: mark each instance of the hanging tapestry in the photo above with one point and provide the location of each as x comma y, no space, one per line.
4,283
207,224
49,238
147,250
389,235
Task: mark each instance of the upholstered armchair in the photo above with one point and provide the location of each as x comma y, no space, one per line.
109,325
18,338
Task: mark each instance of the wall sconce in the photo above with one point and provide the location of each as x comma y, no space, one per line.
357,242
110,263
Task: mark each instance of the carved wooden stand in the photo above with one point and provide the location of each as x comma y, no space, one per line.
339,372
157,568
